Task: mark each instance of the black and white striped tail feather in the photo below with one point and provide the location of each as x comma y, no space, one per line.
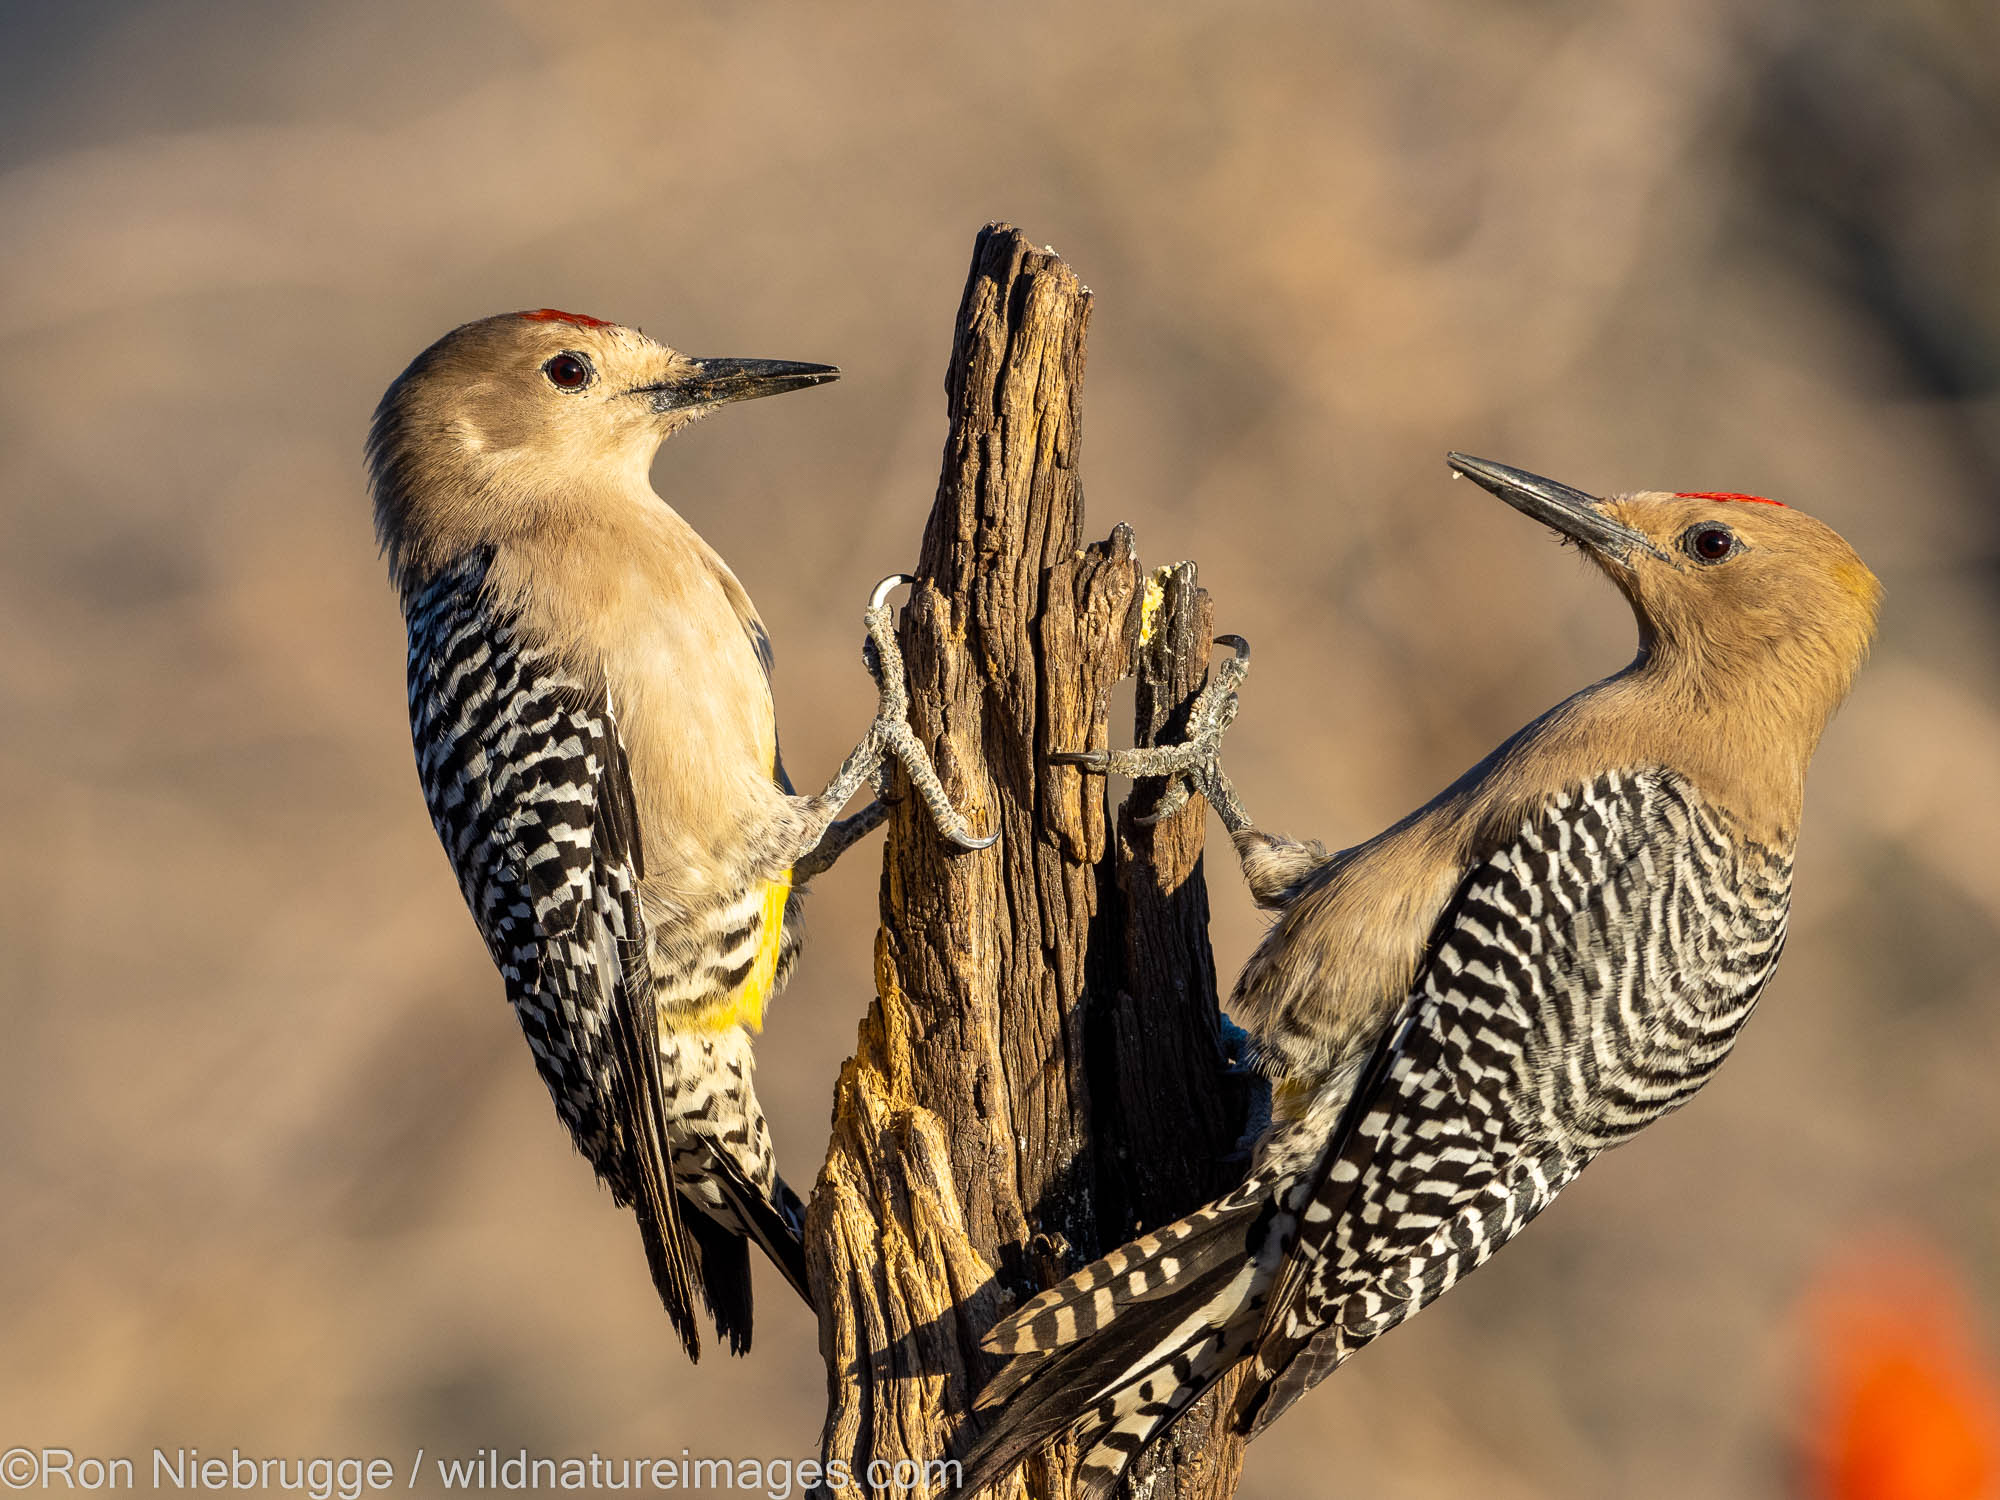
777,1224
717,1248
1113,1354
724,1254
720,1148
1219,1329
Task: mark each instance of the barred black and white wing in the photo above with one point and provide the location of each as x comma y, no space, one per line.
527,784
1589,977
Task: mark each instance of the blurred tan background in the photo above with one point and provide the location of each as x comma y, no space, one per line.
276,1169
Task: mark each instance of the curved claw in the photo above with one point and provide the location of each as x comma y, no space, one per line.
1171,801
1237,644
1087,760
889,586
967,841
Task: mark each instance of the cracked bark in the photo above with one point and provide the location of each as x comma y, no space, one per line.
1042,1070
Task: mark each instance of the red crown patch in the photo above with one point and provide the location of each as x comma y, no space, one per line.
557,315
1726,495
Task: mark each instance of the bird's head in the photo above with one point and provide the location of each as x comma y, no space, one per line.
1742,602
514,421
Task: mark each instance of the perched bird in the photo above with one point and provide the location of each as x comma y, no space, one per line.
1460,1014
591,704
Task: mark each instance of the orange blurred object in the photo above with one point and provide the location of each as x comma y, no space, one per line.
1908,1410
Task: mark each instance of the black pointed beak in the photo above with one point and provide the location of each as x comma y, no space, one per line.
714,382
1576,515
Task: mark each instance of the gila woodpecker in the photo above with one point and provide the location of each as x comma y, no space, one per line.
1460,1014
591,703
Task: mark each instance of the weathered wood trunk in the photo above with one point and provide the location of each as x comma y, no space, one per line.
1042,1070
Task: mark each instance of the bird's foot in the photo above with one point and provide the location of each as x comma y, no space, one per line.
1193,765
836,839
889,739
891,729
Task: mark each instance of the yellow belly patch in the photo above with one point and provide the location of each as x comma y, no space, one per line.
1289,1098
744,1005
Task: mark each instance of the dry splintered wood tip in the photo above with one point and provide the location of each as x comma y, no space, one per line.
1042,1069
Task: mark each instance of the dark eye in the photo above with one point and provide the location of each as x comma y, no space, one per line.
567,372
1709,543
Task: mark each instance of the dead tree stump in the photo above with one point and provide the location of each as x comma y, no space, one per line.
1042,1071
